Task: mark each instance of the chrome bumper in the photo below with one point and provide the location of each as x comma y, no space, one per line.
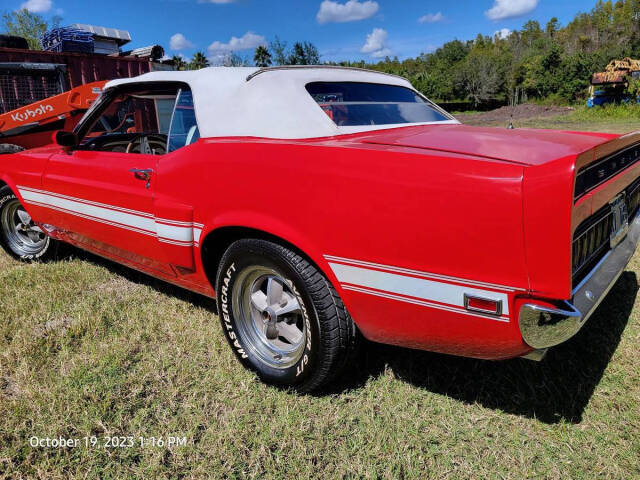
543,327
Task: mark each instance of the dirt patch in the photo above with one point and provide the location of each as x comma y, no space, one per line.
50,326
8,387
118,287
505,114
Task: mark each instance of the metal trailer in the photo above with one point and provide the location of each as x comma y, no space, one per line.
29,76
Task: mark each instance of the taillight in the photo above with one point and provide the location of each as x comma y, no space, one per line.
483,305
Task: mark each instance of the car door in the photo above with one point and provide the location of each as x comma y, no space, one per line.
102,193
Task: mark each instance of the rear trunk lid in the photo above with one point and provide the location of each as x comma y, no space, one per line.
569,185
522,146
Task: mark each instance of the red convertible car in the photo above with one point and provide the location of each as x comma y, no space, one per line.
317,204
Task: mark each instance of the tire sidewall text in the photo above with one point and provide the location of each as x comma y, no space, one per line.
298,372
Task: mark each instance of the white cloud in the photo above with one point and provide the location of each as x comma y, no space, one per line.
247,41
510,8
351,11
37,6
376,40
502,33
431,18
376,44
179,42
216,1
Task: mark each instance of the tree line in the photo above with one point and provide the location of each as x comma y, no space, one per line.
551,62
277,52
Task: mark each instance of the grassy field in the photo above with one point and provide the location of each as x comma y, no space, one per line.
610,119
91,348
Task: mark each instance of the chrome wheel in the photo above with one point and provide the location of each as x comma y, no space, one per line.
23,237
270,320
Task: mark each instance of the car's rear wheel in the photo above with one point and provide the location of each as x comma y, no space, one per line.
281,316
19,235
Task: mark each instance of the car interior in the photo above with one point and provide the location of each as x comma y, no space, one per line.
151,121
359,103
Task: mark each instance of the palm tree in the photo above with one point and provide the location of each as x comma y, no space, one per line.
262,57
279,49
297,55
304,53
234,60
311,53
198,61
178,62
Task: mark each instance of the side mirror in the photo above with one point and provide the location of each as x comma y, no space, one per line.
66,139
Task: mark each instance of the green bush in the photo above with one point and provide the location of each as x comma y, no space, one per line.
552,64
630,111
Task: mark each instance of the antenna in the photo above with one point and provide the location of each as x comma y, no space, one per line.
513,107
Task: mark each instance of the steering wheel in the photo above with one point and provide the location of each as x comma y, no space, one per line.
148,144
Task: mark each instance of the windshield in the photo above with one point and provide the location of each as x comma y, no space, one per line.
357,104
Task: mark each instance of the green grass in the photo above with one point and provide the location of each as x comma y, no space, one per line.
91,348
465,112
607,112
610,119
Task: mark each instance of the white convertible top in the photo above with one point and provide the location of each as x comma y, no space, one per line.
267,103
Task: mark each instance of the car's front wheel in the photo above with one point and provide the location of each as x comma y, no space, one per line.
19,235
281,316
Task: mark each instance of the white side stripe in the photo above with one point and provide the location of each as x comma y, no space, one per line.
413,287
131,220
174,232
418,273
419,302
59,195
182,234
106,222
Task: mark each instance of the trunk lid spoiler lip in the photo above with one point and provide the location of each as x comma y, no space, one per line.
525,147
606,148
447,150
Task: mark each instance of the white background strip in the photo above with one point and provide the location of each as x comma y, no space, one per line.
137,221
413,287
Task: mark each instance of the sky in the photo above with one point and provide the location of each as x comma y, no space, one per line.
341,29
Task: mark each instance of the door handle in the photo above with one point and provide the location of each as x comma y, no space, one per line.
143,174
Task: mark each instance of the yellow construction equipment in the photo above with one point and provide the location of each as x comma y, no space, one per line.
612,85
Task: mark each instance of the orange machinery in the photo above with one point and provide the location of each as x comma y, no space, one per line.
32,125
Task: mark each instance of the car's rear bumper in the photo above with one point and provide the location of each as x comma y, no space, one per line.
544,327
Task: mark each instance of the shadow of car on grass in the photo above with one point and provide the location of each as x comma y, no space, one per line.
556,389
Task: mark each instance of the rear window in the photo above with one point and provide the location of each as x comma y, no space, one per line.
358,104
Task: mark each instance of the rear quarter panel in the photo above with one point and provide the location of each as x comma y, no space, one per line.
444,214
